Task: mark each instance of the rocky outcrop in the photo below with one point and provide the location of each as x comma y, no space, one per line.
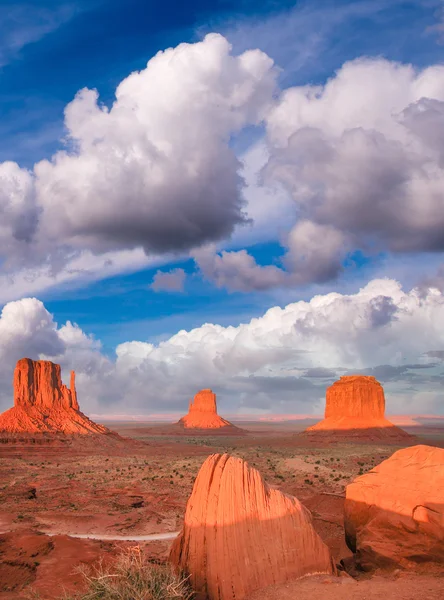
42,403
357,396
202,413
394,514
355,408
240,535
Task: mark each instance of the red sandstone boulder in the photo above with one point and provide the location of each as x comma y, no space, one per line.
355,408
240,535
43,404
202,413
394,514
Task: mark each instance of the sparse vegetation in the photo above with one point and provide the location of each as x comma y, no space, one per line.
132,578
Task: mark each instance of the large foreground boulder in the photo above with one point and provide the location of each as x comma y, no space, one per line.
355,409
240,535
394,514
43,404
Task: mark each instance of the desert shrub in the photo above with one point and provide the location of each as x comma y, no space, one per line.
132,578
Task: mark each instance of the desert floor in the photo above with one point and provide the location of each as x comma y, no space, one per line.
121,490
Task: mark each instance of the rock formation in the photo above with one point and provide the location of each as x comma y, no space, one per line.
394,515
355,407
43,404
202,414
240,535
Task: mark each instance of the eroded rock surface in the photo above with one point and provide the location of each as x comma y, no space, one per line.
241,535
42,403
202,413
355,407
394,514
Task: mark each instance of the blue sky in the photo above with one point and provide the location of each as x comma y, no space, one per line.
49,50
68,46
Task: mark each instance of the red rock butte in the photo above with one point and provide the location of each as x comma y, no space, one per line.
202,413
43,404
355,407
241,535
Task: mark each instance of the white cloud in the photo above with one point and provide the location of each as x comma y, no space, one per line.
237,271
169,281
314,255
363,160
18,213
156,170
361,154
359,158
272,363
75,270
153,171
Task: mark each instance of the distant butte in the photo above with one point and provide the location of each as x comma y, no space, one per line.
43,404
202,415
355,408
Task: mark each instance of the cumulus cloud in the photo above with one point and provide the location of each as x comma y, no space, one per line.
155,170
362,157
314,254
169,281
18,213
362,153
280,362
237,271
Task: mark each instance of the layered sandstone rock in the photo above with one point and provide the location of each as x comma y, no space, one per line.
240,535
202,413
394,515
355,407
42,403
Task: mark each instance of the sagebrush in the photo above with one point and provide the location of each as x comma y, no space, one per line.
132,578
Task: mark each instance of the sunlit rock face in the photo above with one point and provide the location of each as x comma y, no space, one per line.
42,403
356,396
202,413
355,407
240,534
394,514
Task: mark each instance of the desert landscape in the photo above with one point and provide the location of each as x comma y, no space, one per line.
85,497
221,300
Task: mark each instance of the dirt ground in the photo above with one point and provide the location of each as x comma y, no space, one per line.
139,483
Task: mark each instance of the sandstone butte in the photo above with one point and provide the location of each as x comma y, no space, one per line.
394,514
202,413
240,535
43,404
355,407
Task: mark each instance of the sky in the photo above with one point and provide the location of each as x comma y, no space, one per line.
247,196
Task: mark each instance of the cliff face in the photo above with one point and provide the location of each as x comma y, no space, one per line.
202,413
240,535
394,515
355,396
39,384
42,403
355,407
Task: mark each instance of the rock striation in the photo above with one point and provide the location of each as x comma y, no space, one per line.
42,403
202,413
355,407
394,514
240,534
